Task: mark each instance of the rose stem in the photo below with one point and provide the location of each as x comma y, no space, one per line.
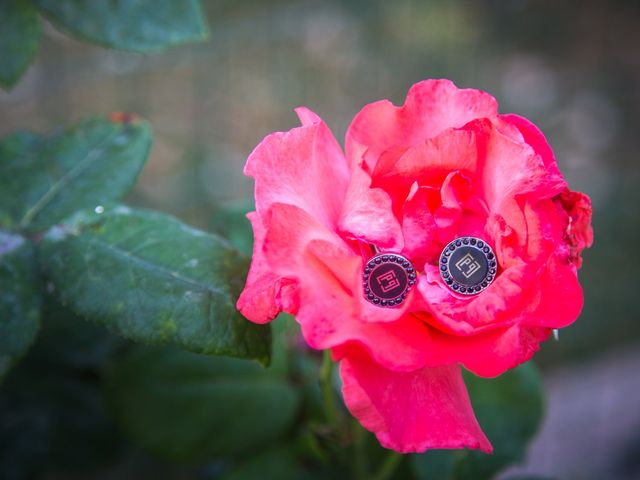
326,385
360,457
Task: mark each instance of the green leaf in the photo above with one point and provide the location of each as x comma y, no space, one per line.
230,221
193,408
44,180
150,278
134,25
19,299
436,465
13,149
509,409
52,420
52,409
69,341
277,463
20,27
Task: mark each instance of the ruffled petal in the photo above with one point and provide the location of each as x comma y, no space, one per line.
419,228
428,163
489,353
401,345
532,136
579,232
511,170
411,411
431,107
265,294
496,306
461,211
289,232
277,266
303,167
367,214
557,298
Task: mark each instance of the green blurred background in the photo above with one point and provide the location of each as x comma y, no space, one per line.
571,67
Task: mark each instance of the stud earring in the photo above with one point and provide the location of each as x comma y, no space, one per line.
387,279
468,265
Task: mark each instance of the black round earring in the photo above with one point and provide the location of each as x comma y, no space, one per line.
468,265
387,279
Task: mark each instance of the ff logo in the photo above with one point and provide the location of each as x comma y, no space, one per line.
388,281
467,265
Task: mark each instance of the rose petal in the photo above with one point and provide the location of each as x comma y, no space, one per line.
265,294
506,242
533,137
367,214
428,163
400,345
419,228
579,232
290,229
303,167
411,411
497,306
462,212
273,282
490,353
557,298
431,107
512,169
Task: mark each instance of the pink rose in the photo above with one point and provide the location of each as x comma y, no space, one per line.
443,166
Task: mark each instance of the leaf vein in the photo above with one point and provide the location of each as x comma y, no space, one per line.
147,265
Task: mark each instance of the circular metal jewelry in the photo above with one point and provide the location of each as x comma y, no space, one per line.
468,265
387,279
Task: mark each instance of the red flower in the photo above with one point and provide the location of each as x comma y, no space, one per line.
442,166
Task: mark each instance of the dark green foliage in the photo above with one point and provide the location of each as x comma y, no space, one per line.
134,25
19,299
55,420
42,180
278,463
230,221
143,274
66,340
150,278
19,37
193,408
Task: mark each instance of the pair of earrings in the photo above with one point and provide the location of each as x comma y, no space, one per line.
467,266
